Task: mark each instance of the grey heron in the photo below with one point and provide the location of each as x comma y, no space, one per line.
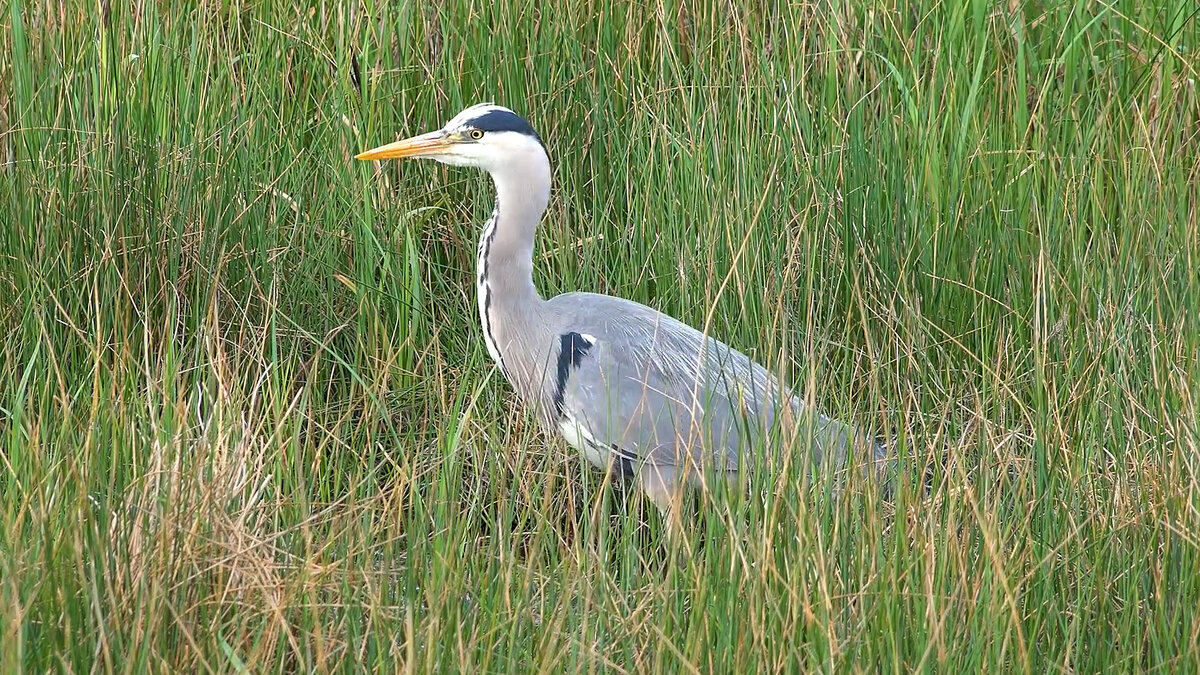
635,391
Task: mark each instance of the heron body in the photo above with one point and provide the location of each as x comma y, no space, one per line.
632,389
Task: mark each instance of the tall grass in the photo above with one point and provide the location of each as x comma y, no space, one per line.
247,422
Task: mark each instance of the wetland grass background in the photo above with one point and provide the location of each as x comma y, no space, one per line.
247,422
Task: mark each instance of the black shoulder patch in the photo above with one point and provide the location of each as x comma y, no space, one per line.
572,348
503,120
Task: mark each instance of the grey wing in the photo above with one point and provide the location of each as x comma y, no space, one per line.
652,389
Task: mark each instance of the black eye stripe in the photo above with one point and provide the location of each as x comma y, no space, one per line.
503,120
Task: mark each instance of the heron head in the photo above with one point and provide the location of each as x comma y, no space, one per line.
486,136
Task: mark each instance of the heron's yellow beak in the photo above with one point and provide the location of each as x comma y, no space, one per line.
425,145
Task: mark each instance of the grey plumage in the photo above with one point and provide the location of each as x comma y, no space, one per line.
629,387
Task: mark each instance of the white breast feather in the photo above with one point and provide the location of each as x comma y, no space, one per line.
578,437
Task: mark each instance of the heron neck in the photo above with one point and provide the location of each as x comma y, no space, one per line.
510,308
521,198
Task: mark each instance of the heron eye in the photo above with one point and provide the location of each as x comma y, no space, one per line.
476,134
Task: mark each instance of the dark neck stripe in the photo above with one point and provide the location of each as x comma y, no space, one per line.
485,287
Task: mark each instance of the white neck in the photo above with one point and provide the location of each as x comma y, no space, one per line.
508,301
